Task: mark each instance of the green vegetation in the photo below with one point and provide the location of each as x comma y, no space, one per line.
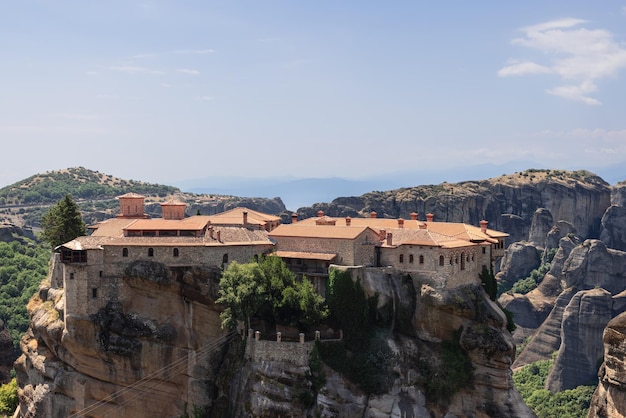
82,183
269,290
453,371
23,266
363,355
529,283
62,223
530,380
8,398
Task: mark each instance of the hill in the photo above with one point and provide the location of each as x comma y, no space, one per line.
23,203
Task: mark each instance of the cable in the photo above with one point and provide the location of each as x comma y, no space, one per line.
143,382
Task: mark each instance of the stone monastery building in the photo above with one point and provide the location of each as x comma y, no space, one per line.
309,247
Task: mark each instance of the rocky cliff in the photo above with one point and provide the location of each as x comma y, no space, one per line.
508,202
609,399
161,343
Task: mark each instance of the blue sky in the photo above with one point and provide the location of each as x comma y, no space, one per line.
166,91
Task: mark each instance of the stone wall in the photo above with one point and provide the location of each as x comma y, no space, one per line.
291,352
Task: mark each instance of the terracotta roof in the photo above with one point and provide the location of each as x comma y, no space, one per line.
380,223
306,255
235,217
113,227
193,223
229,236
85,243
319,231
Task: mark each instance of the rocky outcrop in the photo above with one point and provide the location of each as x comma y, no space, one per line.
581,348
508,202
422,315
160,340
520,258
151,343
614,227
593,278
541,225
609,399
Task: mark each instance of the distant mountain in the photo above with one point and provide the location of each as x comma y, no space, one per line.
301,192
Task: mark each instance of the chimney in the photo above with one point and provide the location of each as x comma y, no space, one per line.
429,217
320,213
348,220
294,218
373,214
423,225
245,218
414,216
400,223
389,238
483,226
382,234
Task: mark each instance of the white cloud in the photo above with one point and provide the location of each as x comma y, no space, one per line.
578,55
578,93
133,70
523,68
188,71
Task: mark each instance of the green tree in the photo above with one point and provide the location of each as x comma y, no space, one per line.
270,290
241,292
62,223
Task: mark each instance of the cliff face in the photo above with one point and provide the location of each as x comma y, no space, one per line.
166,349
152,343
507,202
426,314
609,399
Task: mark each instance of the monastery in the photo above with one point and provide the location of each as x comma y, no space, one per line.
455,251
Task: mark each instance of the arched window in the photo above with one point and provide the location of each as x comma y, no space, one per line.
402,258
225,258
410,258
421,259
124,252
150,252
462,261
441,260
175,252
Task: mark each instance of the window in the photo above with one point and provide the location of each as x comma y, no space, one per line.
124,252
402,258
225,258
94,293
421,259
462,261
175,252
484,250
411,258
441,260
71,276
150,252
100,273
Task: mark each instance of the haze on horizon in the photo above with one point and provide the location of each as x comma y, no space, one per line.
165,91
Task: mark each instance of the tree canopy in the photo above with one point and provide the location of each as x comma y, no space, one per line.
62,223
269,290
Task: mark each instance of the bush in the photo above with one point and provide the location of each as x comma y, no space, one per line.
571,403
8,397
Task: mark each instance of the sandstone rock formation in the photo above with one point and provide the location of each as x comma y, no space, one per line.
609,399
507,202
159,346
520,258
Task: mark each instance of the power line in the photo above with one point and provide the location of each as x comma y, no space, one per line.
141,385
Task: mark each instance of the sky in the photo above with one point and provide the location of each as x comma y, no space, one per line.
167,91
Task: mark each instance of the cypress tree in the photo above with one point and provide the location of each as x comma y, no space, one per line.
62,223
